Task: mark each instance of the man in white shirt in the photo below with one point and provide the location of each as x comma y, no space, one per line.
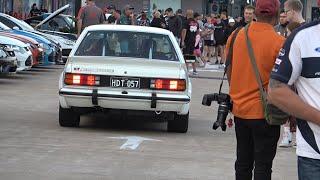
298,64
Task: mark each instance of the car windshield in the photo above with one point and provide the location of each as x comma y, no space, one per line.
127,44
25,26
4,27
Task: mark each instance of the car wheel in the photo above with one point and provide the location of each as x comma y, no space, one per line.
68,118
179,124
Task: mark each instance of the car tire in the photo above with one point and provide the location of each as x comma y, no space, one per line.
68,118
179,124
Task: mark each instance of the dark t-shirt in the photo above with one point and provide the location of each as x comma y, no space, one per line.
192,28
91,15
157,22
219,34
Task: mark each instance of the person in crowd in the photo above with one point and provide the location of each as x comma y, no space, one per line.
179,14
248,16
219,36
110,12
230,28
34,10
224,18
281,28
143,20
43,10
209,41
157,21
290,127
127,18
174,24
298,66
199,19
256,139
115,18
293,10
197,51
188,39
89,15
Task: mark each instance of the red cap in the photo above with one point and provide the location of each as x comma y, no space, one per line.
267,7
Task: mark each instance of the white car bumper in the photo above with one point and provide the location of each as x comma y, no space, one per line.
84,98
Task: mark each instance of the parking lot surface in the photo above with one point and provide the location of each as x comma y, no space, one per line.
34,146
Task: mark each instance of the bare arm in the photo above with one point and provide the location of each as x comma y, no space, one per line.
79,24
183,35
283,97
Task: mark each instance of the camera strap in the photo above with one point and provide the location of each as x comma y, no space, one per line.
229,56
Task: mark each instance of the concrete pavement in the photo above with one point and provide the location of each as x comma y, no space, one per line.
34,146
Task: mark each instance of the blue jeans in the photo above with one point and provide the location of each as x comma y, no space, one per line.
308,169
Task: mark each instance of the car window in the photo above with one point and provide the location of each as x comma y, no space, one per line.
127,44
8,23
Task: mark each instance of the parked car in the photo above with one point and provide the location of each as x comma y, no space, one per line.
48,46
61,23
136,70
8,60
36,50
21,50
65,42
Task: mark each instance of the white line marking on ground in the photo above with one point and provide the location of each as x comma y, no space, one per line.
133,142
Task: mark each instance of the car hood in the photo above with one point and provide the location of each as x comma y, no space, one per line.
11,41
53,15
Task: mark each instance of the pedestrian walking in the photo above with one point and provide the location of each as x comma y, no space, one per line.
298,65
174,24
188,39
256,139
219,36
89,15
209,41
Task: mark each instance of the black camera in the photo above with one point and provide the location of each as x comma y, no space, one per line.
225,106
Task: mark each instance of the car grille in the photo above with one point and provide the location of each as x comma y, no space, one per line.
66,52
28,61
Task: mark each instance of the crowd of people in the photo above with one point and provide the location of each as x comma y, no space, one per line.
286,52
202,37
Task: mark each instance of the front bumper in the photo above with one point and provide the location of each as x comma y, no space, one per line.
87,98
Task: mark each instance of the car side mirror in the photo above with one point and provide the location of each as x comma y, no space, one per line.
15,28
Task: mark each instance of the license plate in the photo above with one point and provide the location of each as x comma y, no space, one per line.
123,82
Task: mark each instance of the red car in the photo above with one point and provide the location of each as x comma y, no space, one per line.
36,50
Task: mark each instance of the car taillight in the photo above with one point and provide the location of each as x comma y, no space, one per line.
168,84
81,79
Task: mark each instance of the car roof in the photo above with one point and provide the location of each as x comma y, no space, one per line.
144,29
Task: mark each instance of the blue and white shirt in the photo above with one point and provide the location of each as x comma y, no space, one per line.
299,64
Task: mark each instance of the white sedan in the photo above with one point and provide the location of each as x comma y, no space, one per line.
126,70
21,50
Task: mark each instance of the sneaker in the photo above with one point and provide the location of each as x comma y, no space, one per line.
195,73
217,62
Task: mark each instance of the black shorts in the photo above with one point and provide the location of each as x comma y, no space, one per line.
188,50
209,43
